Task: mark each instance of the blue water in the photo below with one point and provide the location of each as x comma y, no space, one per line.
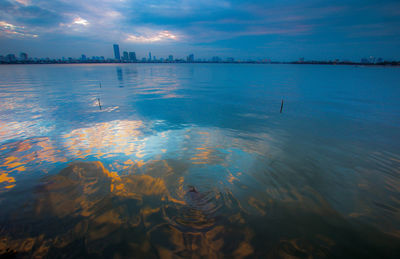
196,160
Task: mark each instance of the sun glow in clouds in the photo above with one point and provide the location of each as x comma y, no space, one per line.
14,30
78,21
152,37
23,2
7,26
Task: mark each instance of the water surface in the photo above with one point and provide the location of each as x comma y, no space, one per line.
196,160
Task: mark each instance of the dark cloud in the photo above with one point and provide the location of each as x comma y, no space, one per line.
210,24
37,16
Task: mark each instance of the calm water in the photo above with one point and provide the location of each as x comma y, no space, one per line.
195,161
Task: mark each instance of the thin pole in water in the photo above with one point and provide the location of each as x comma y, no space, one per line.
281,106
98,99
100,84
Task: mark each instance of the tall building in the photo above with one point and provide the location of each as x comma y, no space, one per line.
216,59
23,56
11,58
116,52
132,56
190,58
371,59
149,56
170,58
125,56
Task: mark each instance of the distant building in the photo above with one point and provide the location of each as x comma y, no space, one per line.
154,58
149,56
132,56
216,59
364,61
11,58
23,56
83,57
125,56
371,59
230,59
190,58
143,59
116,52
170,58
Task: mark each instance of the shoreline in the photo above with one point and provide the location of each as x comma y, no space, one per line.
385,64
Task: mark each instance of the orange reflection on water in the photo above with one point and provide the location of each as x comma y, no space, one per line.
206,153
6,181
36,150
105,139
27,153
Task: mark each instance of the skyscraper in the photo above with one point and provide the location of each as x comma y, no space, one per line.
149,56
170,58
116,52
216,59
11,58
132,56
190,58
125,56
23,56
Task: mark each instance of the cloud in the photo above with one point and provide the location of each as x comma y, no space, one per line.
197,22
152,37
10,30
23,2
78,21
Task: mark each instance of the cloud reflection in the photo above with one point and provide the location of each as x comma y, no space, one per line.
152,211
105,139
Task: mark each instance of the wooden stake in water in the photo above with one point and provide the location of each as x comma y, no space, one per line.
281,105
98,99
100,84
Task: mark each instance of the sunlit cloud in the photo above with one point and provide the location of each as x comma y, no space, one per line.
81,21
152,37
9,29
23,2
76,21
8,26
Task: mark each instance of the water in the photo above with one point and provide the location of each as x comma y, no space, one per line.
195,160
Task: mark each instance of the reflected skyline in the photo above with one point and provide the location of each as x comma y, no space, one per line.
120,77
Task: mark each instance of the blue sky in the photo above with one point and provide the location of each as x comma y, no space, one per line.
280,30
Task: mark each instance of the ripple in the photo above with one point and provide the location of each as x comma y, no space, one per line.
199,212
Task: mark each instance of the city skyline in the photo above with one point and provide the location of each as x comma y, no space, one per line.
284,30
130,57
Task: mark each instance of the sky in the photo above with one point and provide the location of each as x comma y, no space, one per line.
252,29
